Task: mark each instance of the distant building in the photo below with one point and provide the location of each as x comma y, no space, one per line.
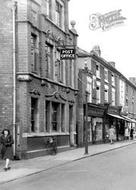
107,90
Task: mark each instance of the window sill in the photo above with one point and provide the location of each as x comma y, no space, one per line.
43,134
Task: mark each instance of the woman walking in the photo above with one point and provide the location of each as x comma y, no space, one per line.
6,140
111,134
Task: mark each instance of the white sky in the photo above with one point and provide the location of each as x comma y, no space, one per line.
116,44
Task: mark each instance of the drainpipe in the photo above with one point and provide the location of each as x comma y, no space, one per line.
14,74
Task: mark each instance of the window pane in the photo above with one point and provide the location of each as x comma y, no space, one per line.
58,14
34,53
49,60
47,117
55,107
34,114
63,118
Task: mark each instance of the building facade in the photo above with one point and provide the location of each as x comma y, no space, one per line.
107,98
38,89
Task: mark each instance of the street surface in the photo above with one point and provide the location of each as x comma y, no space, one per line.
114,170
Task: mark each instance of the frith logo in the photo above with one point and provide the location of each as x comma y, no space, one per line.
106,21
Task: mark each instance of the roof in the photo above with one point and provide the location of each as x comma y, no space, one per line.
82,53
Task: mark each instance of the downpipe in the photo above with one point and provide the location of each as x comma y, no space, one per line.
14,75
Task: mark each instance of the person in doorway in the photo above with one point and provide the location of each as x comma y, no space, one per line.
131,133
6,141
111,134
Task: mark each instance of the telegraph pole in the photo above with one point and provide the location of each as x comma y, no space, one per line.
86,124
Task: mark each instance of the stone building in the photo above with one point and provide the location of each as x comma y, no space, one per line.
110,97
38,89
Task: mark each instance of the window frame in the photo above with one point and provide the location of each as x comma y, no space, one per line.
49,59
58,13
34,52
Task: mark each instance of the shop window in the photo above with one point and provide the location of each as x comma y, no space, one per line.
34,53
55,108
34,114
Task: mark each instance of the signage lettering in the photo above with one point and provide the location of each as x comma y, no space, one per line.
67,54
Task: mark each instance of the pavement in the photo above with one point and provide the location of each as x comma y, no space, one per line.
24,168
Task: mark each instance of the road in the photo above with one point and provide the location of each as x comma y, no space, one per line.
114,170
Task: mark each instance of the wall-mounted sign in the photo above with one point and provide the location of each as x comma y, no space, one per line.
67,54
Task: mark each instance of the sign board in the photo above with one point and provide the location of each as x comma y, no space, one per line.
67,53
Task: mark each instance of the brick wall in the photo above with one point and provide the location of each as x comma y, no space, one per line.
6,53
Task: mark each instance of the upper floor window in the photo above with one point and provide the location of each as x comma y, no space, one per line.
113,79
106,92
98,93
48,8
98,71
59,67
106,75
121,92
49,60
113,97
59,13
34,53
89,89
71,73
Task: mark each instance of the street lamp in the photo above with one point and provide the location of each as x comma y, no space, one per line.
86,123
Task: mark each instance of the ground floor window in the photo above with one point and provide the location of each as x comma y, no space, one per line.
34,114
54,116
47,115
70,116
62,117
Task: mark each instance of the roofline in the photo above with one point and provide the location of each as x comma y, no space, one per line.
104,62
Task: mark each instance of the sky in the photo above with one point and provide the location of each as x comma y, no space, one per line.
117,44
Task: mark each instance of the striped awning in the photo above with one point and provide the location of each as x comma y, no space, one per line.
116,116
129,119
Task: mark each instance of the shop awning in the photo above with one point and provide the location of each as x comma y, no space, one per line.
116,116
129,119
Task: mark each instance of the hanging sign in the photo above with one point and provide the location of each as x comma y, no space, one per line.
67,54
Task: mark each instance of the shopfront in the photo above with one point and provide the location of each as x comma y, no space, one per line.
114,118
95,122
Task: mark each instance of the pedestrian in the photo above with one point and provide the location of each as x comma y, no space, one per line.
52,145
6,141
131,133
111,134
